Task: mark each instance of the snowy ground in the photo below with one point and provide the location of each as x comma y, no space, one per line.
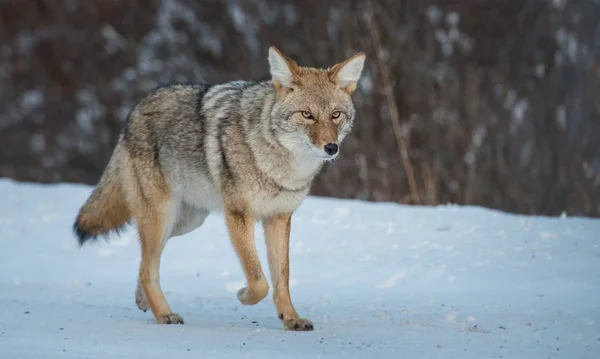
378,281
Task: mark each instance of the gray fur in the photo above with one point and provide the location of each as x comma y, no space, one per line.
231,137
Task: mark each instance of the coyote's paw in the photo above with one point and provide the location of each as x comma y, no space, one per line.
298,324
253,295
171,318
140,299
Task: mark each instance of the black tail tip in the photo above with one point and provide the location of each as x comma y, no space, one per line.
82,235
85,235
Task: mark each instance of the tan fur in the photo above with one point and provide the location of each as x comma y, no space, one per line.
149,198
323,132
248,149
241,230
322,128
277,235
106,208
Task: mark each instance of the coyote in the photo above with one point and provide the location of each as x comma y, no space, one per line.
249,149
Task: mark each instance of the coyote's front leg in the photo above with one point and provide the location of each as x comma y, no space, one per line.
277,235
241,231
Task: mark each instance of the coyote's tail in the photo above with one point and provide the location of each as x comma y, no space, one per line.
106,209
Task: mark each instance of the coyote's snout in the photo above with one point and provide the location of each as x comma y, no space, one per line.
247,149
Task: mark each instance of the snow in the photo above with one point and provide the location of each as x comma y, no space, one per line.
378,280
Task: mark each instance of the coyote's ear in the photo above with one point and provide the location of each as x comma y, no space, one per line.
283,69
346,74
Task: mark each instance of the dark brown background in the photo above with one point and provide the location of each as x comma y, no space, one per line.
486,102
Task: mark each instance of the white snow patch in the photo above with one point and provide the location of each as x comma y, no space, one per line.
105,252
234,287
392,281
123,240
294,282
451,317
493,285
342,212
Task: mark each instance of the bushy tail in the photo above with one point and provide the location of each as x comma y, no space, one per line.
106,209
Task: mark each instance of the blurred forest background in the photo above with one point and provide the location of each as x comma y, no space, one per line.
486,102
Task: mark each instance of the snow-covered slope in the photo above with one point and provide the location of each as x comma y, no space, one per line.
378,281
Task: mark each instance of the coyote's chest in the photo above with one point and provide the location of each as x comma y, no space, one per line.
280,189
264,203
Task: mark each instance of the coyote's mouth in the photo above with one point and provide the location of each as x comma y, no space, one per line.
327,158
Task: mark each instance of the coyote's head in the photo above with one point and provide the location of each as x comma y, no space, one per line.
313,111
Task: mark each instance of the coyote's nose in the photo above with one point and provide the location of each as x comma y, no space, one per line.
331,148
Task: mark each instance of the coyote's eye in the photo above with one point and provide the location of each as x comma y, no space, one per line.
307,114
336,114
